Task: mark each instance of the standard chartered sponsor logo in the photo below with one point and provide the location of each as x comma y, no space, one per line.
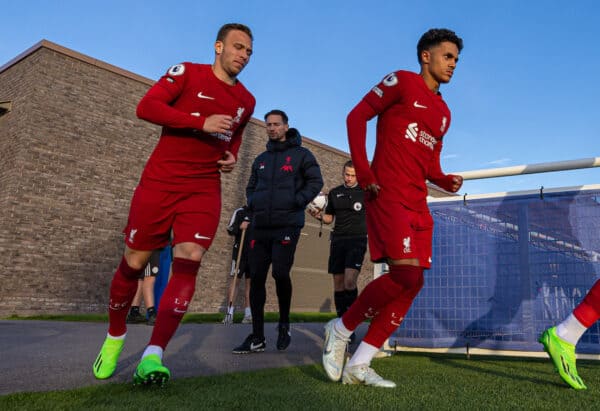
221,136
412,133
427,140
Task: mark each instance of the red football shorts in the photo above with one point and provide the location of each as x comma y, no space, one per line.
395,232
192,217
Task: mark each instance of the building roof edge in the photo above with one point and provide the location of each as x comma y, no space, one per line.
78,56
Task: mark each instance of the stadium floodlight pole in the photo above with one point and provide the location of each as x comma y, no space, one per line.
530,168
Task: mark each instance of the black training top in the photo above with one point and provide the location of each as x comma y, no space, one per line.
348,206
283,180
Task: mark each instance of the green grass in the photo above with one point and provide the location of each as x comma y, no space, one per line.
194,318
269,317
425,382
97,318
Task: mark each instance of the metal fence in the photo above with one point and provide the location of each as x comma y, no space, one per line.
507,266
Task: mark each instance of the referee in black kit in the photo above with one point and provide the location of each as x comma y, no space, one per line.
345,204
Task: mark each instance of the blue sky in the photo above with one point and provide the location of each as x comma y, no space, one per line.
525,90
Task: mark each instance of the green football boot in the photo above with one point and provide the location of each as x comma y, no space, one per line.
562,354
106,362
151,371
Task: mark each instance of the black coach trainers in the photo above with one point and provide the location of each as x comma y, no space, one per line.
284,338
251,344
134,316
151,312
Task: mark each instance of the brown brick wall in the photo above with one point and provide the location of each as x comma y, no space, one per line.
80,150
72,152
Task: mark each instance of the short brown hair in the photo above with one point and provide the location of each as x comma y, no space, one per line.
276,112
226,28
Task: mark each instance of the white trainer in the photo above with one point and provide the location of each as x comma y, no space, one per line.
334,352
247,319
363,374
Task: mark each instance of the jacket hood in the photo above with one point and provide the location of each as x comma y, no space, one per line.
292,138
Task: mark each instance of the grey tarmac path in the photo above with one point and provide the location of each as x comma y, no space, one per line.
58,355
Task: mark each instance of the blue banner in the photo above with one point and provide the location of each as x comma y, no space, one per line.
506,268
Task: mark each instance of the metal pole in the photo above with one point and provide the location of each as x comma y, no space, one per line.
530,168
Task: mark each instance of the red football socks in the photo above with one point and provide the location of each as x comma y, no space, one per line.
174,301
588,311
402,282
122,290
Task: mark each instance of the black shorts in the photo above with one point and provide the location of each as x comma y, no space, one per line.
346,253
153,265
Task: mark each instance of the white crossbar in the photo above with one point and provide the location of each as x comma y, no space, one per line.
530,168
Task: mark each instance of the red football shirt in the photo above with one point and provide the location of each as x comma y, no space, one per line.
185,158
411,123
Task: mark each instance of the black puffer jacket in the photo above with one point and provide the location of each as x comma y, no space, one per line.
284,179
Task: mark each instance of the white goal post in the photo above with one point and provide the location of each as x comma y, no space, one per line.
530,168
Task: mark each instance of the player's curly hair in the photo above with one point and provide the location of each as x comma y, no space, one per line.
226,28
433,37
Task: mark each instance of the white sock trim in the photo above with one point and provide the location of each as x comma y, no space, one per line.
341,329
363,354
570,329
112,337
153,349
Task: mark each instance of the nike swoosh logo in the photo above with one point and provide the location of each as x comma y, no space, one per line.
254,347
206,97
327,350
177,310
417,105
200,237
